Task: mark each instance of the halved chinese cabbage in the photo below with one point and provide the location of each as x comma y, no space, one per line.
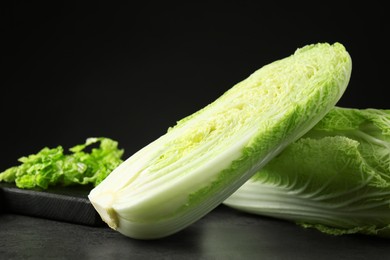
205,157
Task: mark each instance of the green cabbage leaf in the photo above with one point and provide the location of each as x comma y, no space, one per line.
51,166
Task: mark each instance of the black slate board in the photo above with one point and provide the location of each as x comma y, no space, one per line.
68,204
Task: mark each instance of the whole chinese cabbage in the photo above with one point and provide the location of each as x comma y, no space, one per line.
205,157
336,178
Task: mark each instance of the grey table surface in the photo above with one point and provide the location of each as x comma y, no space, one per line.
222,234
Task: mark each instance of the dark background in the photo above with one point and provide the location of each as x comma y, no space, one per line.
130,71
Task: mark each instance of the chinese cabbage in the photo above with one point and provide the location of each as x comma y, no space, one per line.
205,157
336,178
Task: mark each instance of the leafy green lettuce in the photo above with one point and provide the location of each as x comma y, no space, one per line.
51,167
336,178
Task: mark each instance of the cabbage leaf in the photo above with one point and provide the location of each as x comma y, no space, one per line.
52,167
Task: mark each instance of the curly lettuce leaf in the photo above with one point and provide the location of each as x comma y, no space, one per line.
336,178
51,166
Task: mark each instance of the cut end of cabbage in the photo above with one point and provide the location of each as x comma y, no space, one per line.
205,157
103,205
